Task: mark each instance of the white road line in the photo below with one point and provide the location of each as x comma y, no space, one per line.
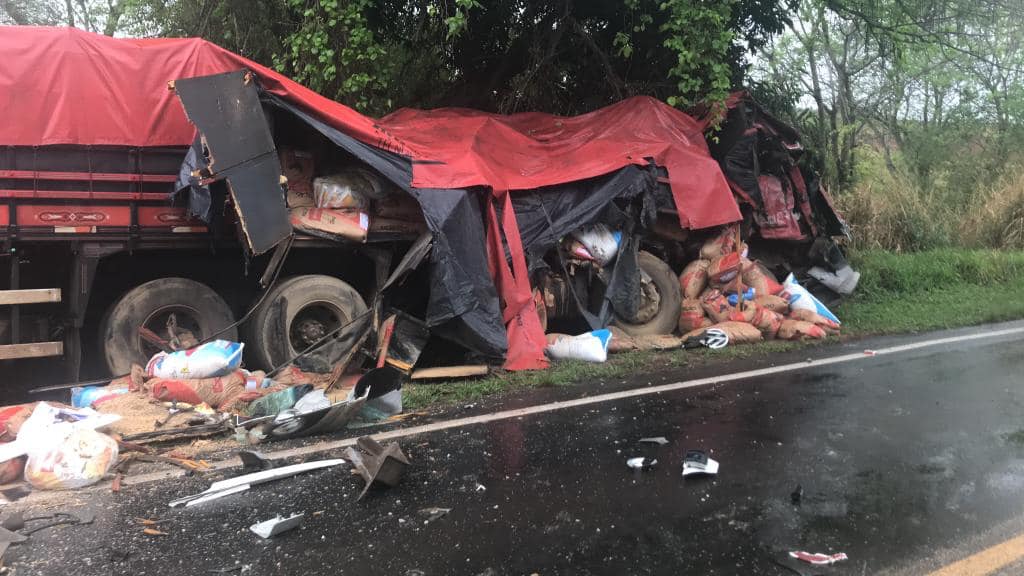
600,398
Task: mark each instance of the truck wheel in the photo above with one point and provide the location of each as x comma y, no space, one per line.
316,305
195,307
660,300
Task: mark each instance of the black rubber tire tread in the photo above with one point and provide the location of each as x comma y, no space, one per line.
119,329
667,283
264,348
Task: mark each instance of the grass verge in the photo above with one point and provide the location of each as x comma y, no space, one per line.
898,293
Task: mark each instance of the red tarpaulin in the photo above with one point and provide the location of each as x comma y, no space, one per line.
66,86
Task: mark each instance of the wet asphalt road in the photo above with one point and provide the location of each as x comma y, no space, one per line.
905,460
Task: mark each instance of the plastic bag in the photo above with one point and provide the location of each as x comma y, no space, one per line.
599,241
694,278
82,397
590,346
209,360
800,298
345,190
76,460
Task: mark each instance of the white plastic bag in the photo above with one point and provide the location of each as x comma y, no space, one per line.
81,458
599,241
589,347
217,358
351,189
800,299
52,424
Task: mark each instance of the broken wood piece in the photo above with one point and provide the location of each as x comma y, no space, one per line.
438,372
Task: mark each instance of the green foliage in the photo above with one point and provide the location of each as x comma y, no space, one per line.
697,33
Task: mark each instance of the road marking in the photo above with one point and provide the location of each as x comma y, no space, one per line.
987,561
600,398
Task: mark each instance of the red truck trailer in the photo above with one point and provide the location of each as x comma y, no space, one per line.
124,228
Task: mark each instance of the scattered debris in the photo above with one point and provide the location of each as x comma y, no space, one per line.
434,513
640,463
277,525
818,559
384,464
242,483
153,532
713,338
253,461
697,462
870,353
659,440
797,495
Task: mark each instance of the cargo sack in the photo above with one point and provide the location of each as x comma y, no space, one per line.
691,316
720,244
798,330
716,305
590,346
212,359
657,342
297,168
599,241
760,279
776,304
825,324
767,322
694,278
331,224
738,332
745,312
220,392
620,342
723,270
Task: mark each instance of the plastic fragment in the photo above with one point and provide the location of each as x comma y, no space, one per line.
818,559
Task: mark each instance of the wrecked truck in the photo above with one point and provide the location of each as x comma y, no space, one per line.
174,192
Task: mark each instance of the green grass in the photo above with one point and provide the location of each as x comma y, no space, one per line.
932,290
898,293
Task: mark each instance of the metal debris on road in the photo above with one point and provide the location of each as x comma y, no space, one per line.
277,525
818,559
434,513
242,483
377,463
697,462
659,440
640,463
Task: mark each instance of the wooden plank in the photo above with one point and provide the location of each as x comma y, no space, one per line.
450,372
34,296
33,350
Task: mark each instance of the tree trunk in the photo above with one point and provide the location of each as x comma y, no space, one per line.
71,14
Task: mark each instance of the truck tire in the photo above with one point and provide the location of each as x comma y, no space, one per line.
662,301
316,305
195,306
